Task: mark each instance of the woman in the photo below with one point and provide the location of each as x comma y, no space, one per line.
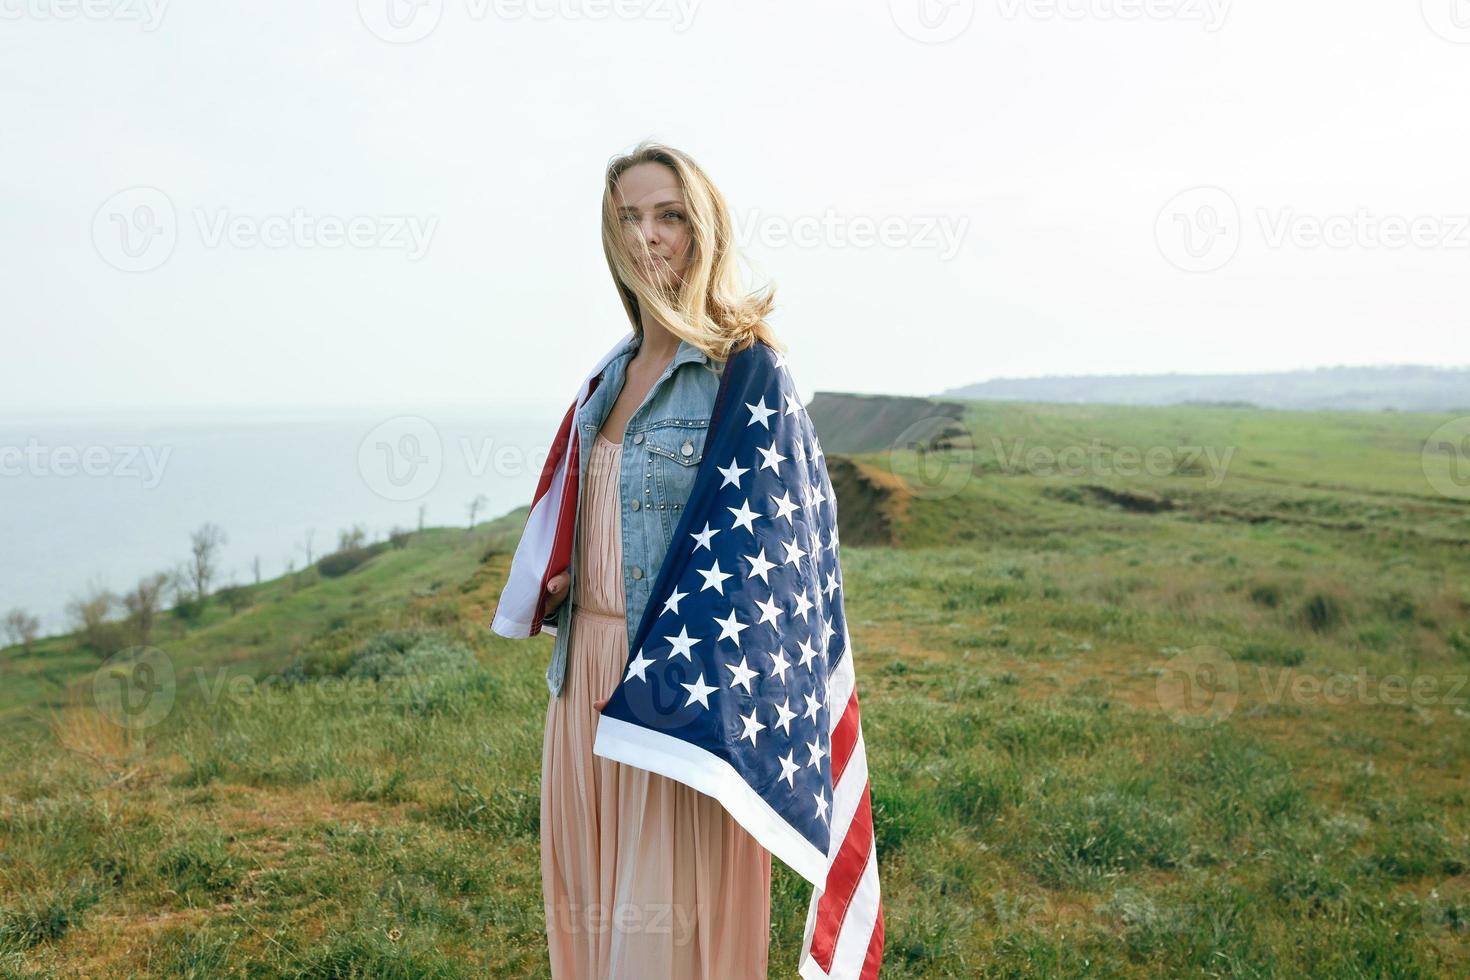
644,876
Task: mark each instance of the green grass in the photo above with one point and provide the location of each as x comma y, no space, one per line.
350,786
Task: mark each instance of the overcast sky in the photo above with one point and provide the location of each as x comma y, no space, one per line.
281,204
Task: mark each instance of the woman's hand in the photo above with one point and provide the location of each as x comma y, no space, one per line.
556,594
556,591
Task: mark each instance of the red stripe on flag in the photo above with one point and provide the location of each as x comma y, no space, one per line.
874,958
842,883
844,737
561,545
553,456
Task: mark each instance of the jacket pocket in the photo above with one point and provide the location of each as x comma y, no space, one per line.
675,449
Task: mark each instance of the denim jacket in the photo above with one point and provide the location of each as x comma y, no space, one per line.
663,444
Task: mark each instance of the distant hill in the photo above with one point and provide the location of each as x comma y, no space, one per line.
849,423
1406,388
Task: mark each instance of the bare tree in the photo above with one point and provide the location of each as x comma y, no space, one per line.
423,508
204,545
353,537
22,628
142,604
475,506
255,567
89,613
306,543
178,584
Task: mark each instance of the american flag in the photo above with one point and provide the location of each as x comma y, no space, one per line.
545,548
740,678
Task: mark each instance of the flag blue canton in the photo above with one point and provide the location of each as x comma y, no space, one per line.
745,622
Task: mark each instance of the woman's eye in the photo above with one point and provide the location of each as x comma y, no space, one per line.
676,215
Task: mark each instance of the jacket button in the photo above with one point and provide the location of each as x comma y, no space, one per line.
635,505
687,449
637,439
637,572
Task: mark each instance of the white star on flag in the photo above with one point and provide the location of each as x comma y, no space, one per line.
760,566
771,458
743,674
759,413
702,538
683,644
699,691
730,628
732,474
744,516
714,578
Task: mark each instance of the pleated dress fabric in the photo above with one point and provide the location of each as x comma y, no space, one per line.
644,878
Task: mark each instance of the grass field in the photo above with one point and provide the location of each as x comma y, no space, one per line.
1131,710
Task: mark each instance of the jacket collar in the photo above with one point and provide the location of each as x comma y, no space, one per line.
685,352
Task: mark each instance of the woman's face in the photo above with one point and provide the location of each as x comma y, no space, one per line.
651,211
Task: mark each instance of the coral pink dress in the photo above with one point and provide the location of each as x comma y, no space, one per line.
644,878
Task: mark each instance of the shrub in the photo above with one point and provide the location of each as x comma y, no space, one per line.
401,653
92,616
339,563
1266,594
970,593
189,610
196,867
1273,653
1322,611
237,597
39,917
1397,606
305,578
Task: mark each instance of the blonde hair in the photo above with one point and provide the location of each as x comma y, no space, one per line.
708,308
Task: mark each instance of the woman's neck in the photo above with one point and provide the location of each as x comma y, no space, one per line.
658,343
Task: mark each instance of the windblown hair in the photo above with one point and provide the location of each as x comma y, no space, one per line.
707,308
